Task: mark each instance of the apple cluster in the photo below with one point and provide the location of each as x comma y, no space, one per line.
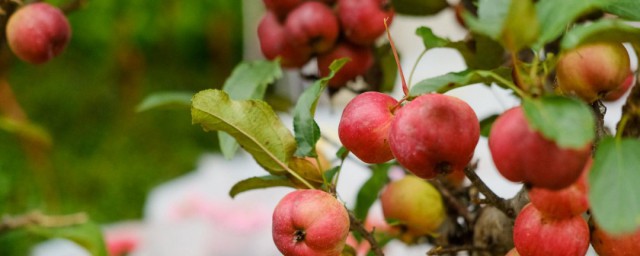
298,30
38,32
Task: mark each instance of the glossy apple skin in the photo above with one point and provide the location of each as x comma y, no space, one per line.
310,222
434,134
364,126
593,70
361,60
618,93
281,7
312,24
621,245
537,235
564,203
273,43
38,32
522,155
363,20
415,203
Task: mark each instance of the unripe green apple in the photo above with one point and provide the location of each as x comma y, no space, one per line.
615,245
38,32
434,134
364,126
522,154
415,204
273,43
363,20
310,222
360,61
591,71
564,203
537,235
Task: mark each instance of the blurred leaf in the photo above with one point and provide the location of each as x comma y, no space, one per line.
387,66
567,121
613,185
450,81
87,235
419,7
504,20
164,100
368,193
491,17
555,16
305,127
249,80
486,124
251,122
626,9
261,182
342,153
602,30
26,130
430,40
329,174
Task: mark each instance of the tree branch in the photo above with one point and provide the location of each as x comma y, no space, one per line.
454,249
490,197
9,223
357,226
453,201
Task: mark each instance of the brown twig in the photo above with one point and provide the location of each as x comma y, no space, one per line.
599,110
490,197
37,218
358,226
453,201
73,5
454,249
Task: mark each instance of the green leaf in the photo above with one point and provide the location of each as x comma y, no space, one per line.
386,64
249,80
430,40
504,20
555,16
604,30
613,185
369,191
419,7
87,235
27,130
491,17
450,81
305,127
626,9
486,124
567,121
251,122
342,153
329,174
261,182
165,100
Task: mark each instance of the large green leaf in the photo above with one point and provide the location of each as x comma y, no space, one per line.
369,191
261,182
626,9
419,7
249,80
305,127
567,121
87,235
387,68
251,122
504,20
613,185
165,100
555,16
603,30
453,80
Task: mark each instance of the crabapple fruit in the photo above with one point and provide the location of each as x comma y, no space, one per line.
618,93
564,203
615,245
312,24
363,20
273,43
361,60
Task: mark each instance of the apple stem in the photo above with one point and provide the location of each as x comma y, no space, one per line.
9,223
415,65
405,88
358,226
490,197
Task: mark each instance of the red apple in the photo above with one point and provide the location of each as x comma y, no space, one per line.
618,93
434,134
281,7
361,60
38,32
273,43
413,203
364,126
312,24
591,71
363,20
537,235
310,222
523,154
564,203
615,245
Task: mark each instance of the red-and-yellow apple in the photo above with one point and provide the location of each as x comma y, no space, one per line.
363,20
618,93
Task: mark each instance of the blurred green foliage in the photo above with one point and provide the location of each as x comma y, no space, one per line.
105,157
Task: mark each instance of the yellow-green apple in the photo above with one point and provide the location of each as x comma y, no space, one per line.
273,43
593,70
364,126
564,203
38,32
312,24
310,222
537,235
522,154
618,93
414,204
434,134
363,20
607,244
361,60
